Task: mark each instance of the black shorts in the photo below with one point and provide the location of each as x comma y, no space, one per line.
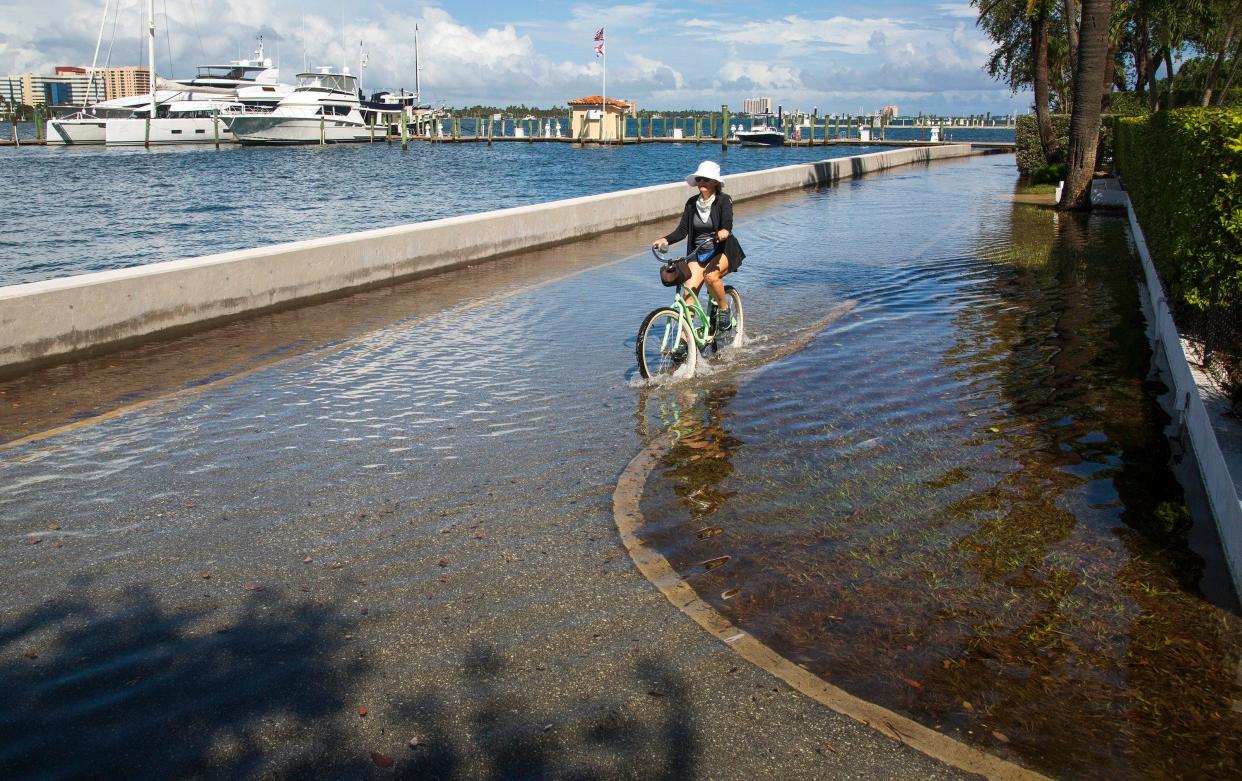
732,249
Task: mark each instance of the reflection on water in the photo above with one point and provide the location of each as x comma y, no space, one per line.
959,505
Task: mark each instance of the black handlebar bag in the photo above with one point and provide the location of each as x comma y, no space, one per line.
675,272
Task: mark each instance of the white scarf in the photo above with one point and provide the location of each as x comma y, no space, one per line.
705,208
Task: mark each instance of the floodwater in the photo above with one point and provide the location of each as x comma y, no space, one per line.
957,502
951,496
71,210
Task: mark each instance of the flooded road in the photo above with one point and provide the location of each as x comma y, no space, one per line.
323,534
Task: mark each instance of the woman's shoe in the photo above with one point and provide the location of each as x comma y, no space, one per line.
723,320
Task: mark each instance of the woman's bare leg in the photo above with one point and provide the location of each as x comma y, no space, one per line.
694,282
715,285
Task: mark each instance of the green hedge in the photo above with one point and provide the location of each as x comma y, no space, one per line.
1031,156
1129,104
1182,170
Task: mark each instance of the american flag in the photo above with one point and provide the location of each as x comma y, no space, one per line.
599,35
599,50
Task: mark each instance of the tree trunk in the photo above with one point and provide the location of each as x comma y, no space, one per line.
1039,48
1084,131
1142,54
1168,71
1110,68
1214,74
1152,82
1233,70
1071,26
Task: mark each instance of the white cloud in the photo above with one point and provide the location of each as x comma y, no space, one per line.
618,16
840,33
961,10
761,75
657,76
657,53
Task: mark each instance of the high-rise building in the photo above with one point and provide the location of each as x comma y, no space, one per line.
127,81
70,85
757,106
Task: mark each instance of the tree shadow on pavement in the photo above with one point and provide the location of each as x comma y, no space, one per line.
132,690
128,688
514,738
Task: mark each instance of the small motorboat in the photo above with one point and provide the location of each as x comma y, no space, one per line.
761,134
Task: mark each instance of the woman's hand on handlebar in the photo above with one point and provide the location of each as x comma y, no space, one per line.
659,245
722,234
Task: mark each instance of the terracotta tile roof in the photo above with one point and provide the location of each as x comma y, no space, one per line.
595,100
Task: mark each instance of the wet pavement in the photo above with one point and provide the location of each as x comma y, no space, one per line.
375,536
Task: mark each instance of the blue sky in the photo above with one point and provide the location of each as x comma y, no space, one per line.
839,57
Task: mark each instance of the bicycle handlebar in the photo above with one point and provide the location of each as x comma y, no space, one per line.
661,254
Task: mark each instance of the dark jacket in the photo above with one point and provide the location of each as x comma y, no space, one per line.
721,217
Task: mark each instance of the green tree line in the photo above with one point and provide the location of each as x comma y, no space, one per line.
1073,54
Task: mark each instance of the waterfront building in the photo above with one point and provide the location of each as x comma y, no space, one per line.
757,106
589,122
60,89
125,82
70,85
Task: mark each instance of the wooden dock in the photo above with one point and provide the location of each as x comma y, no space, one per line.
1002,145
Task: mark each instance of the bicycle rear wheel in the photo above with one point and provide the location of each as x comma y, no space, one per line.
665,344
733,337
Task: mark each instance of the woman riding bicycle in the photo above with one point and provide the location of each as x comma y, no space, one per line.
708,218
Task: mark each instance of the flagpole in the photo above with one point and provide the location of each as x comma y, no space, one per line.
601,52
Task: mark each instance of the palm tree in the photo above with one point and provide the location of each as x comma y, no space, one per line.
1084,130
1030,53
1039,49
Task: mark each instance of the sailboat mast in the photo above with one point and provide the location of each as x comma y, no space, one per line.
151,50
90,81
418,97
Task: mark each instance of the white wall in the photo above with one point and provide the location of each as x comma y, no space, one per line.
52,320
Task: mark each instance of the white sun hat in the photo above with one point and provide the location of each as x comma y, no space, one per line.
708,169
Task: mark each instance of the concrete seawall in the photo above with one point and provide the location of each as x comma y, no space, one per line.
54,320
1191,418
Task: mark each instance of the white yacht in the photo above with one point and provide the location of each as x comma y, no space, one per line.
323,108
255,83
184,110
238,73
177,122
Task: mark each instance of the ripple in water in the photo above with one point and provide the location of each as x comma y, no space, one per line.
957,503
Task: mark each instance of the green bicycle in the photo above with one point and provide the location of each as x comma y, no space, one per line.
672,337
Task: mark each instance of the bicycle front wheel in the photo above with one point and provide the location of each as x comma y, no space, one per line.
665,344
